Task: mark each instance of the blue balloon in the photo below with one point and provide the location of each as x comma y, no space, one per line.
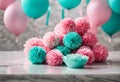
69,4
113,25
35,8
115,5
87,1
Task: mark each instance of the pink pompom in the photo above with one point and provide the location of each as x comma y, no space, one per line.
60,35
5,3
47,49
32,42
89,39
50,40
100,52
82,25
54,58
66,25
85,50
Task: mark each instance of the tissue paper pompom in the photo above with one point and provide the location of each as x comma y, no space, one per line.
60,35
54,58
100,52
64,50
5,3
82,25
85,50
46,48
72,40
37,55
66,25
50,40
32,42
89,39
75,60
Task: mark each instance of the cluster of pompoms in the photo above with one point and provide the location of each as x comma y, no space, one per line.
70,42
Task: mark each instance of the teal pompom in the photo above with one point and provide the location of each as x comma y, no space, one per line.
75,60
37,55
72,40
64,50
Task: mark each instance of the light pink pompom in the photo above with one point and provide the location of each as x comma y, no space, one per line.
100,52
66,25
85,50
54,58
5,3
50,40
82,25
60,35
32,42
89,39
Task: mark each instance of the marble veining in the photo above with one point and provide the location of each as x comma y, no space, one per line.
14,67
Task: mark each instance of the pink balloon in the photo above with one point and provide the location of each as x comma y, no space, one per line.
15,20
98,12
5,3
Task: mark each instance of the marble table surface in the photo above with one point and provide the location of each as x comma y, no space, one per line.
14,67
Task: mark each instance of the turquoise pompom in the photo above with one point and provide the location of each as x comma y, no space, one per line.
64,50
75,60
72,40
37,55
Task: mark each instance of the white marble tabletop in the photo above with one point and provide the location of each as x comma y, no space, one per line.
14,67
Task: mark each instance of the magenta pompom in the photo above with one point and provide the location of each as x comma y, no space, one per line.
100,52
50,40
32,42
54,58
82,25
89,39
85,50
66,25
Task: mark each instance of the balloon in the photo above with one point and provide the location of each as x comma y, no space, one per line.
69,4
98,12
115,5
5,3
35,8
87,1
14,19
113,25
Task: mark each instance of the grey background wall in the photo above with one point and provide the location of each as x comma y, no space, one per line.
8,40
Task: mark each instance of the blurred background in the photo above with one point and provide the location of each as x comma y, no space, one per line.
8,40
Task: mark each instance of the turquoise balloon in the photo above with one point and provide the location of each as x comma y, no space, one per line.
69,4
113,25
115,5
35,8
87,1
